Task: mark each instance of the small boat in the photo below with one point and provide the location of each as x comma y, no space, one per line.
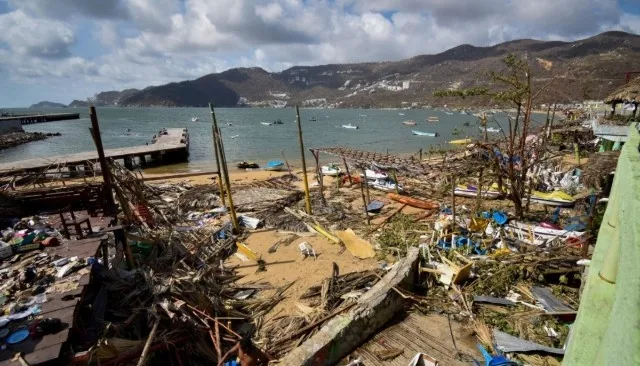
400,114
460,142
414,202
372,174
540,233
420,133
449,113
556,199
229,124
195,119
433,119
265,123
464,112
350,126
472,191
331,170
312,119
385,184
277,122
410,122
248,165
492,129
234,136
274,165
375,206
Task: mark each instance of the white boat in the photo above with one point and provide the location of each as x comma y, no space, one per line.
492,129
234,136
420,133
433,119
350,126
400,114
331,170
449,113
384,184
472,191
229,124
372,174
265,123
410,122
195,119
540,234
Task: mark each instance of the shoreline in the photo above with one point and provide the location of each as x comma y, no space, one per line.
13,139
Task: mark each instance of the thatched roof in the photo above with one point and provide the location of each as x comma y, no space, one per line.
628,93
599,167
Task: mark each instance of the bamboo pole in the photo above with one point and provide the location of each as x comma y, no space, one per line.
307,195
147,345
106,177
216,149
453,202
286,162
223,162
366,184
395,180
344,161
364,202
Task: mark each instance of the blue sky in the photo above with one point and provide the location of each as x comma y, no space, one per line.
60,50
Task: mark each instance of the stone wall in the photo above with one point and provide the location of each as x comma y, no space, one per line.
12,125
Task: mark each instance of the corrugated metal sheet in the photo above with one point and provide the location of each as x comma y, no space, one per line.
421,334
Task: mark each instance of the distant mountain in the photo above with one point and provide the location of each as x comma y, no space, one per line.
108,98
46,104
589,69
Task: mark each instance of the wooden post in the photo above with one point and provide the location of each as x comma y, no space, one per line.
216,150
344,161
106,175
395,179
223,162
364,201
307,195
420,154
453,202
286,162
483,120
316,156
366,184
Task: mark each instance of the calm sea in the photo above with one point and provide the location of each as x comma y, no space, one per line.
246,138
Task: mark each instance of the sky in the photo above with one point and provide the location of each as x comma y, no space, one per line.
60,50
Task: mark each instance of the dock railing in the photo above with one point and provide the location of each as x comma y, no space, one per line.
607,328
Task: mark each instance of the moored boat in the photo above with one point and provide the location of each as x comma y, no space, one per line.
460,142
410,122
420,133
195,119
274,165
331,170
265,123
277,122
372,174
350,126
433,119
492,129
385,184
247,165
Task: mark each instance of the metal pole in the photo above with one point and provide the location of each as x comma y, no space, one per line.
216,148
106,177
223,162
307,196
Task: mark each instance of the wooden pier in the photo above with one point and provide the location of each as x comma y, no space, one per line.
172,146
27,119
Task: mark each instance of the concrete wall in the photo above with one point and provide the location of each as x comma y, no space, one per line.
347,331
607,329
12,125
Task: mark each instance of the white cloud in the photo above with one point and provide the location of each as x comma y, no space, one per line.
150,42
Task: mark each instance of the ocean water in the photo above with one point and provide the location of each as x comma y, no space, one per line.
246,139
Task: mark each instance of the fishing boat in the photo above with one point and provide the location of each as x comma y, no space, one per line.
274,165
195,119
312,119
385,184
449,113
266,123
492,129
229,124
556,199
468,190
372,174
460,142
420,133
414,202
248,165
331,170
410,122
400,114
433,119
234,136
350,126
277,122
